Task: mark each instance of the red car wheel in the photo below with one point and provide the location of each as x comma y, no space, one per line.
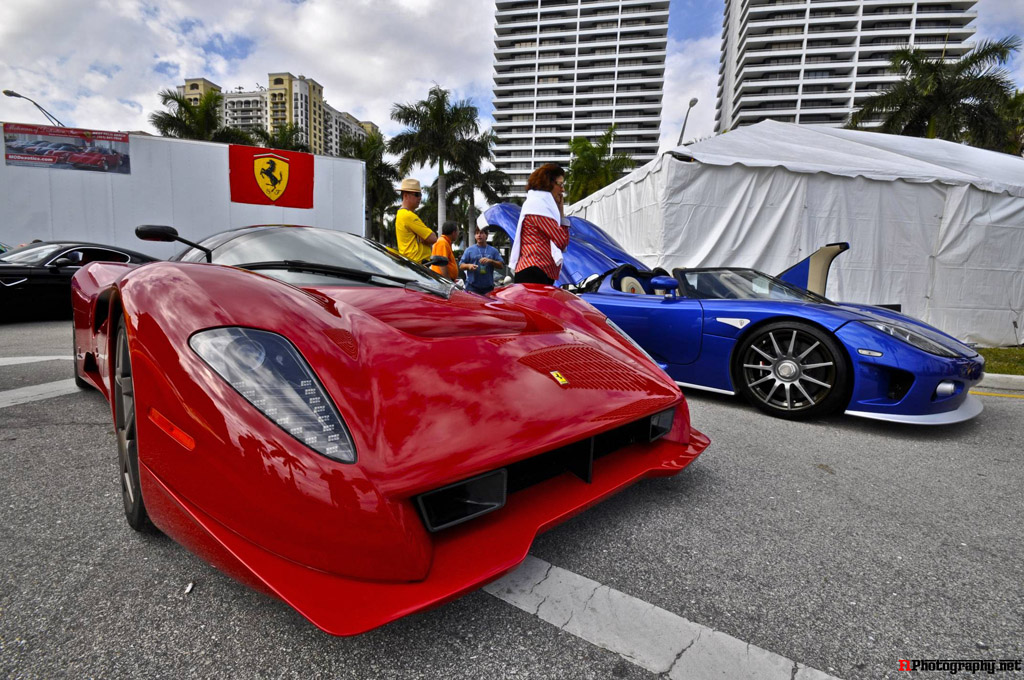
127,444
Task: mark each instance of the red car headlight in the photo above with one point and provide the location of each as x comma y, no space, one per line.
267,370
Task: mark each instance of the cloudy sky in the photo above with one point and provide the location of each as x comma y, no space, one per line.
100,64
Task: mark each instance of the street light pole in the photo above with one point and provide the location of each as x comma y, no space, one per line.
50,117
693,102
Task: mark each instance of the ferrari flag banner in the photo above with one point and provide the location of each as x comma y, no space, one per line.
271,177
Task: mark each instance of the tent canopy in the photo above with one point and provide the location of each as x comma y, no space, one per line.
855,153
934,226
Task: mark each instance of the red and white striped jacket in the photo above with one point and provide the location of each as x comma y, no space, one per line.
539,233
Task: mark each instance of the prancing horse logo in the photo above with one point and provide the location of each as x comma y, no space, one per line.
271,173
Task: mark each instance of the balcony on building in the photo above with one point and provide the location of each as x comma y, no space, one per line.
510,97
865,90
515,11
837,118
514,91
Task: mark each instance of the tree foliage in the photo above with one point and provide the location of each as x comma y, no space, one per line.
471,174
202,121
381,178
1013,114
594,166
437,132
288,137
960,100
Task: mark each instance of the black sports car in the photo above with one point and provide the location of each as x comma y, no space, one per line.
35,279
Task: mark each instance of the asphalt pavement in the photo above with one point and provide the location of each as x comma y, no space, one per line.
843,545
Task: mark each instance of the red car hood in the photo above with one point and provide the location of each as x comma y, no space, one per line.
432,390
463,315
472,369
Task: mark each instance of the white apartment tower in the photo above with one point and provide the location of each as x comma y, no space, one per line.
815,61
571,68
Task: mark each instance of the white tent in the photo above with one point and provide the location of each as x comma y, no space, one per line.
934,226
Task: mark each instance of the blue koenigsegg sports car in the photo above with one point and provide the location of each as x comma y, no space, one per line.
774,339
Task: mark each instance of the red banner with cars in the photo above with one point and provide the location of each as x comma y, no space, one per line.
66,148
271,176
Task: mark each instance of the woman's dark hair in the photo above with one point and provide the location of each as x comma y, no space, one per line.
543,178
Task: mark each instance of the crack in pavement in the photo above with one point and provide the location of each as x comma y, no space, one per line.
533,589
591,597
583,609
679,656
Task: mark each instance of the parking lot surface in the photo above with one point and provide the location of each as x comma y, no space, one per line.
840,545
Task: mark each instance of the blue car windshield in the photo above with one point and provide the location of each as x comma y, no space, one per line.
740,284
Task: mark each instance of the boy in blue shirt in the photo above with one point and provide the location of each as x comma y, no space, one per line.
479,262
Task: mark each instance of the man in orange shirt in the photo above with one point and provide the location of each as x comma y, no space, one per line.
443,246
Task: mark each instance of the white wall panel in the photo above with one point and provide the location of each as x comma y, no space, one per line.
181,183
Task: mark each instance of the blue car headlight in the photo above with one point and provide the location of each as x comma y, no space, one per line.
270,374
912,337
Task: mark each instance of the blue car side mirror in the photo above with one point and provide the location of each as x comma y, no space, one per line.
666,283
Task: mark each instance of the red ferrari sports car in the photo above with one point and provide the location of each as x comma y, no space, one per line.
347,431
95,157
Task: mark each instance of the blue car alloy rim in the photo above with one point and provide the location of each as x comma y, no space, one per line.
792,370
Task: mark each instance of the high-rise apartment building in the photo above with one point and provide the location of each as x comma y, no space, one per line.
815,61
287,99
572,68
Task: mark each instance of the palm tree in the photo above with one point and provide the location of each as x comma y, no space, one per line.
437,130
288,137
381,177
469,176
594,166
958,101
1013,116
201,121
429,207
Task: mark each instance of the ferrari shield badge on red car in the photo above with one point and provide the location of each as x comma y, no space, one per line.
271,172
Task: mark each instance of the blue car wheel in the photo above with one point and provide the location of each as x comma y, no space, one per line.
792,370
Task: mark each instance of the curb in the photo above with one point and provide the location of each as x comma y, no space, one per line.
1002,382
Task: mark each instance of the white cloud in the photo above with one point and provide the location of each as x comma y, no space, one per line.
691,70
101,64
95,64
999,19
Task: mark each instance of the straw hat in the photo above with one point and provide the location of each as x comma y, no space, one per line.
410,184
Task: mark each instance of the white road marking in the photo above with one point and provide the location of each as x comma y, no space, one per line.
14,361
652,638
23,395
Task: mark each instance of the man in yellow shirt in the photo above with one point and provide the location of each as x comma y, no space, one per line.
443,247
414,238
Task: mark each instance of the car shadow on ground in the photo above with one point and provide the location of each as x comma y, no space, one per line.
840,421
